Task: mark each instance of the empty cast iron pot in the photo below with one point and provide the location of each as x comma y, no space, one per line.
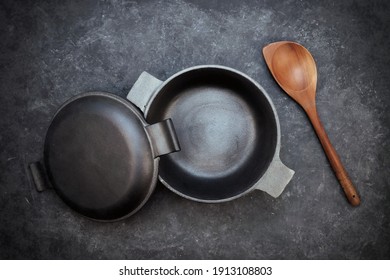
102,157
228,131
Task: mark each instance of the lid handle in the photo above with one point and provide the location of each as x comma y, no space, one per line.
38,176
163,137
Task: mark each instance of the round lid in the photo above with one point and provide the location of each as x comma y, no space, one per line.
99,158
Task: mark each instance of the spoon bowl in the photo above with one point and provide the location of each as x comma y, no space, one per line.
292,75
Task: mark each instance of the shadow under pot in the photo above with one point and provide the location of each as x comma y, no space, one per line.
228,131
102,157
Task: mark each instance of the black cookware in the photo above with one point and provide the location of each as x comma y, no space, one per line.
228,130
102,157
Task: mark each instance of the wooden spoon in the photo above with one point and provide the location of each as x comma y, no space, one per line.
295,71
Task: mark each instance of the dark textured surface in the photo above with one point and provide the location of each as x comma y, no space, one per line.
53,50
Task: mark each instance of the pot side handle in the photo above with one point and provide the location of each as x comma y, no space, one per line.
163,138
276,178
143,90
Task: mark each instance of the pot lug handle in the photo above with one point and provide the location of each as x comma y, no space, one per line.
276,178
143,90
163,137
38,176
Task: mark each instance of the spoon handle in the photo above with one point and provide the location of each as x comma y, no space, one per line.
335,162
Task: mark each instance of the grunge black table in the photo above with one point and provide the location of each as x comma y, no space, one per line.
51,51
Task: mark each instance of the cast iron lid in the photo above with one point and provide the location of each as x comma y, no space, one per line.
101,156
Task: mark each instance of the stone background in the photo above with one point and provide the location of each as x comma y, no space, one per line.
53,50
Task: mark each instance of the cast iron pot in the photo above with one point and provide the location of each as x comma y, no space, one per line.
228,131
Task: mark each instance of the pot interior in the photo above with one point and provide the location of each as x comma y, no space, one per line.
226,128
